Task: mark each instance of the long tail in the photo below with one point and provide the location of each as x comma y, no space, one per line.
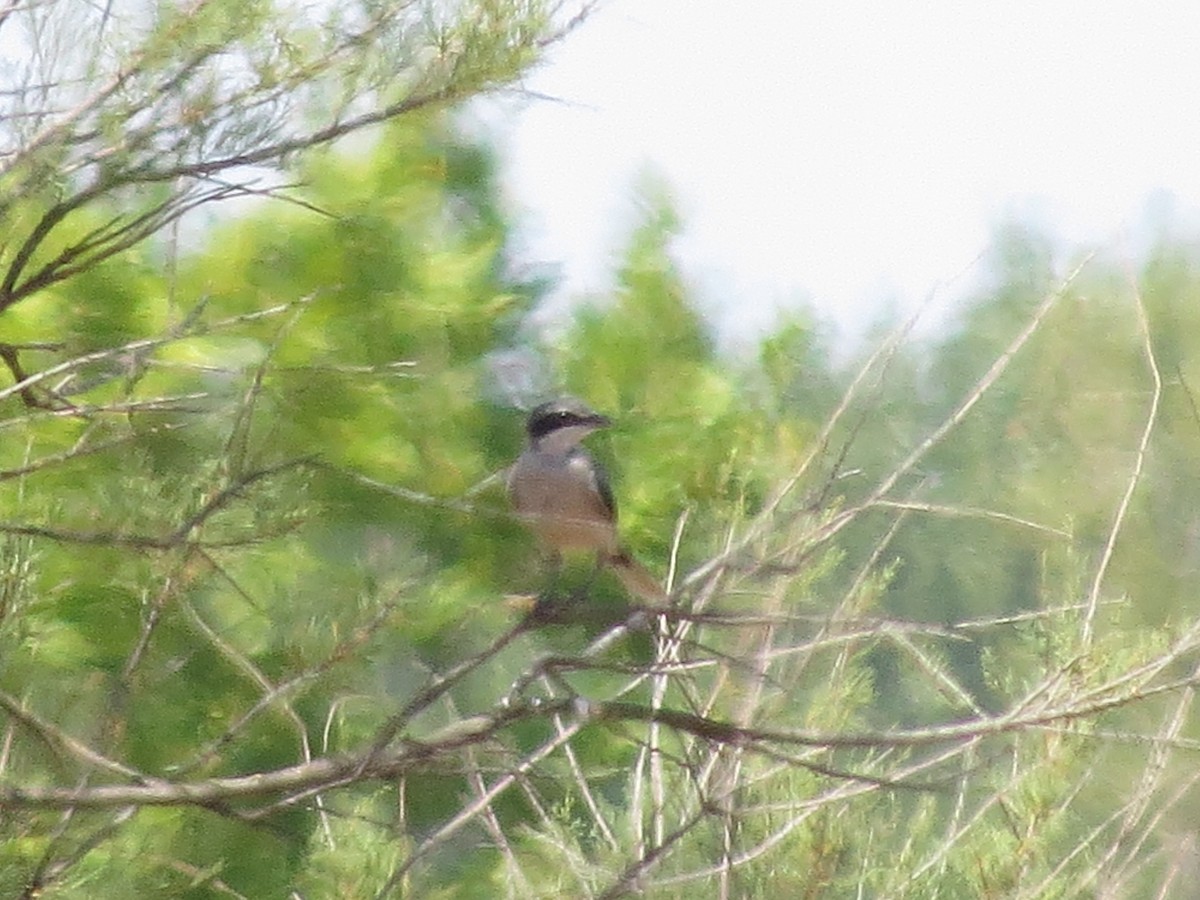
635,577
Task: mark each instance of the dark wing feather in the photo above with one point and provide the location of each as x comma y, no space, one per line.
600,480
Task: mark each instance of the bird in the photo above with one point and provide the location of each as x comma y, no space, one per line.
564,496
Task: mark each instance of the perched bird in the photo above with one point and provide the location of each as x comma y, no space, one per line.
564,497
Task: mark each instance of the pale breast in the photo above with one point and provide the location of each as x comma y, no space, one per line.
557,499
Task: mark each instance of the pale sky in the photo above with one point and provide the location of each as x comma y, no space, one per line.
853,153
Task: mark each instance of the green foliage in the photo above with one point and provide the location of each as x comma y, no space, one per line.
248,535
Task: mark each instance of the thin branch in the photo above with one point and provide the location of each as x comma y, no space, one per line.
62,744
1135,477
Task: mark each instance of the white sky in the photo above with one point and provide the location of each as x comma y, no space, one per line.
854,153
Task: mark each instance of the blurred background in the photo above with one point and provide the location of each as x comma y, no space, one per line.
853,158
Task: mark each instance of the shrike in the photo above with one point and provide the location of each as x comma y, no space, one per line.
564,497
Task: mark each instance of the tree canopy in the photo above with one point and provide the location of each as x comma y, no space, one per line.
268,627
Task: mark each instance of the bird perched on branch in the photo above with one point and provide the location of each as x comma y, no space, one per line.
563,495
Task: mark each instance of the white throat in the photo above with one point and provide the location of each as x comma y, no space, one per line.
561,440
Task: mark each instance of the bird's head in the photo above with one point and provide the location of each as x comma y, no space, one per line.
563,423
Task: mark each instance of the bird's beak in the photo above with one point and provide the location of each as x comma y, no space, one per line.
595,420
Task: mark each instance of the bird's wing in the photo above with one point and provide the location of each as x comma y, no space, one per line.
603,485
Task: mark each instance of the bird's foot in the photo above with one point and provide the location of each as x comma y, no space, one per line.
554,608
